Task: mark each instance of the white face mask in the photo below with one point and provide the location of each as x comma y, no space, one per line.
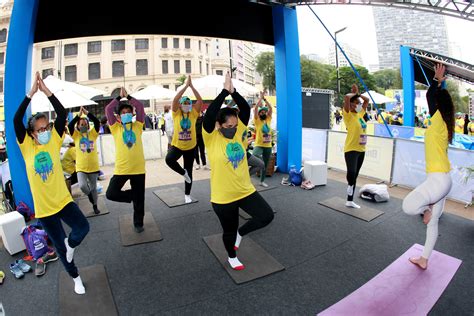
358,107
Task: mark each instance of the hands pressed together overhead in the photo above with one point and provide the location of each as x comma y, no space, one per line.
38,83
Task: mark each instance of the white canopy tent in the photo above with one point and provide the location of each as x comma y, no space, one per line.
210,86
154,92
378,98
54,84
69,99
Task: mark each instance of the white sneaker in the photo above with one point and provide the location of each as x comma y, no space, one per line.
352,204
186,177
198,167
263,184
187,199
79,286
69,251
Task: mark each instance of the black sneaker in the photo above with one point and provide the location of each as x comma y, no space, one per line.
40,268
139,229
49,257
90,198
96,210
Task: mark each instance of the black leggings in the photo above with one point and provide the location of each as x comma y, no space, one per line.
354,161
255,206
136,194
172,157
200,149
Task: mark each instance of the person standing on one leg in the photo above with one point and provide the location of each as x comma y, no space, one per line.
200,148
87,158
263,134
429,197
184,141
129,157
231,188
356,139
40,145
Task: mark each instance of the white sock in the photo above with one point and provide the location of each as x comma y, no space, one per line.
352,204
238,239
78,286
69,251
186,177
187,199
350,190
235,264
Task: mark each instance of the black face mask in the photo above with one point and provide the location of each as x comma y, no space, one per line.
228,132
263,116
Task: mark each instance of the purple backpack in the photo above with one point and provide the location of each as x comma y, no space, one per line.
35,241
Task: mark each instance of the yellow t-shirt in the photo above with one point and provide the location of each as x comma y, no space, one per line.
459,127
45,175
263,132
230,178
184,136
436,145
87,158
128,160
69,160
470,129
356,131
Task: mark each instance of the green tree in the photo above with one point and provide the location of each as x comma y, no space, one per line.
347,77
181,79
459,104
266,68
315,74
388,79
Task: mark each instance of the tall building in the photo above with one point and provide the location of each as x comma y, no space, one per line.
354,55
395,27
5,13
242,55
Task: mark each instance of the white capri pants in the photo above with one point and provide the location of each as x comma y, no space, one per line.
431,192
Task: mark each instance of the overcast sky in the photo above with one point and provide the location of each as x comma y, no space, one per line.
361,31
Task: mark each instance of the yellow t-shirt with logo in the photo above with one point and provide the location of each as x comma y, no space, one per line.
45,175
436,145
184,136
459,127
263,132
129,159
87,158
69,160
356,138
230,178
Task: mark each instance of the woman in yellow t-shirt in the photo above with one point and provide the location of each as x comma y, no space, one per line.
354,147
185,115
262,120
459,127
470,127
40,145
231,187
428,198
87,159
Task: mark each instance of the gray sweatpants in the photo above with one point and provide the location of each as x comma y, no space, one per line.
88,184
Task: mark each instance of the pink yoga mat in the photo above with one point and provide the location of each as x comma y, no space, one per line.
400,289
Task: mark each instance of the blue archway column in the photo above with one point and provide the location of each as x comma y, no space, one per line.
288,87
408,78
17,84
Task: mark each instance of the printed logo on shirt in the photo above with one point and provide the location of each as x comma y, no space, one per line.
363,139
43,165
185,134
235,154
86,145
129,138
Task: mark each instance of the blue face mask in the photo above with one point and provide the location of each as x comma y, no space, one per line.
186,108
44,137
126,118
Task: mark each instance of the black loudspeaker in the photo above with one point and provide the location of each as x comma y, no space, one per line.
316,107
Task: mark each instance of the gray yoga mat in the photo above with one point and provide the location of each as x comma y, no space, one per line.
259,188
98,299
365,213
258,263
86,206
128,235
172,196
246,215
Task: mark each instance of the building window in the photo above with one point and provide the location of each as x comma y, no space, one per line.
199,45
70,49
207,48
94,47
188,66
1,84
175,42
176,67
94,71
2,58
47,52
164,42
70,73
217,54
118,45
142,67
200,67
3,36
207,69
164,66
46,72
141,43
166,86
118,68
219,72
187,43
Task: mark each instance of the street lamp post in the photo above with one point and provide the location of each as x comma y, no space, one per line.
338,86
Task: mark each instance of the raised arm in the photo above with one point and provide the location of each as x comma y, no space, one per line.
244,107
20,129
437,82
94,120
366,102
209,121
269,106
110,111
175,105
258,105
198,105
72,125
